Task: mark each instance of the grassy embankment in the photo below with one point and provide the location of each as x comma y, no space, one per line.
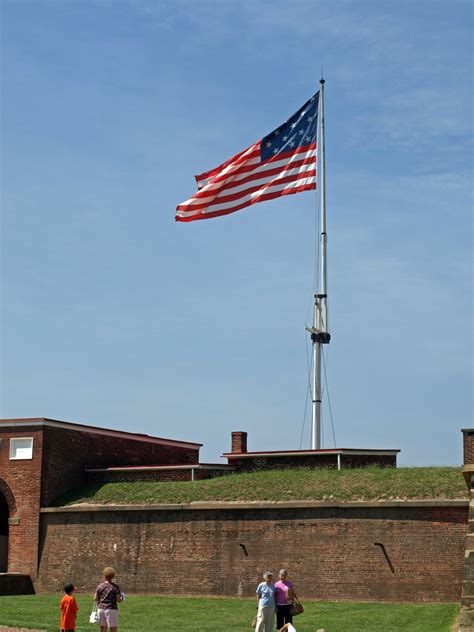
182,614
277,485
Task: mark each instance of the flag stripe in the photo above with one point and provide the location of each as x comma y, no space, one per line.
300,158
234,193
182,216
251,152
249,198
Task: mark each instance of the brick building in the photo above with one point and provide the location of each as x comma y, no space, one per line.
41,459
334,459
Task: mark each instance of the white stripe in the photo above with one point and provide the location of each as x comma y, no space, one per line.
268,165
262,168
251,196
232,190
238,162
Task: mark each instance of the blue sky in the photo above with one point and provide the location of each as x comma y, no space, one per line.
115,315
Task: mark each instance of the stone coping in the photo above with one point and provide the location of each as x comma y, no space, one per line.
152,468
291,504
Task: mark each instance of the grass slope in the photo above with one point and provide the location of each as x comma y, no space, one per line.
279,485
180,614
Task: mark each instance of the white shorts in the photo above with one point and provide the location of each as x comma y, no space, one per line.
108,617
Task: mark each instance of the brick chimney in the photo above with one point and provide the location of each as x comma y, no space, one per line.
239,442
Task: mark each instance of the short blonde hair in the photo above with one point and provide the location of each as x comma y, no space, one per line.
108,572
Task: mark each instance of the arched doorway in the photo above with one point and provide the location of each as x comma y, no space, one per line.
4,515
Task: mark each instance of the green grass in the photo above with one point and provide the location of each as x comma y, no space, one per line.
139,613
278,485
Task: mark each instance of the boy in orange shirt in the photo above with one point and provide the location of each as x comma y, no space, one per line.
68,607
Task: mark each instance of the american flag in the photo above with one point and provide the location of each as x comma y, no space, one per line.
283,162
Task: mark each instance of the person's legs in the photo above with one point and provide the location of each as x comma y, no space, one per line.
260,627
269,618
280,617
287,614
102,620
112,619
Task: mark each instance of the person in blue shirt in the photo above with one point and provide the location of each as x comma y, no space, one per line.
265,604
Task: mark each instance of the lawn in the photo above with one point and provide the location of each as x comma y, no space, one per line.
139,613
279,485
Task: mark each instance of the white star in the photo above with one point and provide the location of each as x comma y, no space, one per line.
275,151
285,138
310,119
293,125
277,132
292,143
301,132
308,138
269,144
303,113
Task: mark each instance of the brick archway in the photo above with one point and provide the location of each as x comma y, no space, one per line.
7,508
9,497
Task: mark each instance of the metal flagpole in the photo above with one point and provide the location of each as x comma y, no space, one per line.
319,331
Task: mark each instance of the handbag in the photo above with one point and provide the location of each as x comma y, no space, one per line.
296,608
94,617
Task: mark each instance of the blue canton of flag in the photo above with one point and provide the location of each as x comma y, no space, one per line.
298,131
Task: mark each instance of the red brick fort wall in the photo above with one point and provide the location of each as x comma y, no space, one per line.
331,551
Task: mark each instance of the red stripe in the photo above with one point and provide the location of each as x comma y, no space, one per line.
254,176
236,196
237,158
260,175
262,198
244,167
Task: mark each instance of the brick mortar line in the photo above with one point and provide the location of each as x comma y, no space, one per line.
193,506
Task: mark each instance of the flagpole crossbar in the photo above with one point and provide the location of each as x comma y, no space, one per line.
323,337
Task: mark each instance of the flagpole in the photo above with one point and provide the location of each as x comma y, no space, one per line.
319,331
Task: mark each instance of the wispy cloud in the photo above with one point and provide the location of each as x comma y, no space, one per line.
406,89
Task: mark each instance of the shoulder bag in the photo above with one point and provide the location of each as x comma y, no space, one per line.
94,617
297,608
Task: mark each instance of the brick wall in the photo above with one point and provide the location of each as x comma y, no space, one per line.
20,484
131,476
249,464
328,461
59,458
367,460
468,446
329,550
68,452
